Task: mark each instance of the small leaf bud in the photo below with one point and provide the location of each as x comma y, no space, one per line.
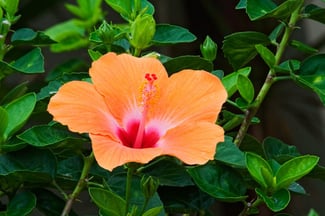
209,49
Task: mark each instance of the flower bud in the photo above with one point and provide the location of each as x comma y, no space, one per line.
209,49
149,186
142,30
106,33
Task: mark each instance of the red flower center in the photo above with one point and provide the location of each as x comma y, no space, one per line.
128,137
136,135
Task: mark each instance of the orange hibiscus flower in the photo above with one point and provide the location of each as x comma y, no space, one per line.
134,112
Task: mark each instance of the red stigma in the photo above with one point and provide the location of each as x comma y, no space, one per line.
150,77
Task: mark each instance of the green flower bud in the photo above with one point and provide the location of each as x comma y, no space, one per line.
142,30
106,33
209,49
149,186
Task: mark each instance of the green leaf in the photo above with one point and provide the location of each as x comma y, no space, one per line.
45,135
295,169
13,144
255,164
22,204
239,48
49,203
153,212
171,34
169,171
276,32
14,93
187,62
125,8
241,4
26,36
28,165
230,81
3,124
219,182
312,75
245,88
288,66
303,47
266,55
185,199
277,201
32,62
259,9
315,13
19,111
107,201
229,153
278,150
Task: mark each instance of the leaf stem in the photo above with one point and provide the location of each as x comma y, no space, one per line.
88,161
251,111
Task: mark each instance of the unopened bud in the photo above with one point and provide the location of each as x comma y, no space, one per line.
142,30
149,186
209,49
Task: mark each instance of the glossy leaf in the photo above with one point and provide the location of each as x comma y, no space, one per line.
29,165
312,75
45,135
315,12
266,55
26,36
245,88
107,201
288,66
22,204
153,212
258,9
16,92
187,62
169,171
219,182
19,111
295,169
278,150
230,81
303,47
171,34
125,7
277,201
255,164
276,32
185,199
32,62
3,124
13,144
239,47
50,203
229,153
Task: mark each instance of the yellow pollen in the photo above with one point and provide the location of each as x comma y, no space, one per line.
148,92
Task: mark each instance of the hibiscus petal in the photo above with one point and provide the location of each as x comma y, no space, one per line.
120,78
191,95
79,106
110,153
192,143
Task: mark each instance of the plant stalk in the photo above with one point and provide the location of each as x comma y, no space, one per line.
251,111
88,161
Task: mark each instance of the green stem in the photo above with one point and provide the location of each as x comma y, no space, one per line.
88,161
251,111
129,176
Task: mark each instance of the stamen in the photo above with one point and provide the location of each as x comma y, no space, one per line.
148,93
